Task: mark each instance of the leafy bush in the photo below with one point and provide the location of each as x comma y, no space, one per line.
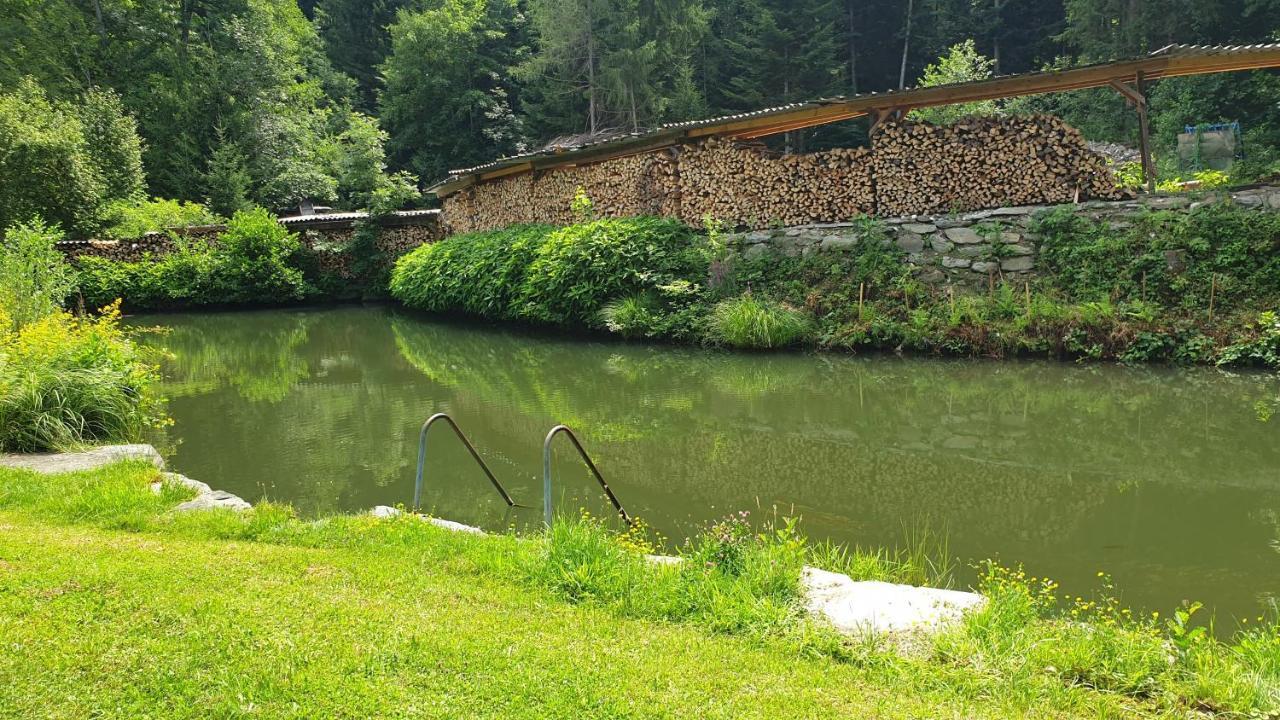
256,251
580,268
135,218
251,263
35,278
66,381
1218,249
752,322
1261,348
478,273
565,276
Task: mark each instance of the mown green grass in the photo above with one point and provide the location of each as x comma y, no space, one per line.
112,606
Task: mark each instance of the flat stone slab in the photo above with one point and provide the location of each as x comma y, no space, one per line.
206,497
386,511
92,459
882,607
216,500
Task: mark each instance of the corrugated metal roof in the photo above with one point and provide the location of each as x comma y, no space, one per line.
292,220
338,217
676,131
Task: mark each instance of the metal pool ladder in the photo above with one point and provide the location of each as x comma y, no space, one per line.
546,474
422,456
546,467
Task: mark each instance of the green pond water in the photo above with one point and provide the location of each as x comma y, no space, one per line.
1169,479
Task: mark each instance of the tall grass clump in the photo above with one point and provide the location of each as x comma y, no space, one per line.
67,381
756,323
1030,634
730,577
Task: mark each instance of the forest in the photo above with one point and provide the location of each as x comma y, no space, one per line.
353,103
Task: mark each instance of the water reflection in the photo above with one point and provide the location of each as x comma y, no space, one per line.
1169,479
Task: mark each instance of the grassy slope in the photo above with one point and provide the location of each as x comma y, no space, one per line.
365,618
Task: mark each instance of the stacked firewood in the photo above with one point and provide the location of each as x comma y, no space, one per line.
984,163
746,186
622,187
912,169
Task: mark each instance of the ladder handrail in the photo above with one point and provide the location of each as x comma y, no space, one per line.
422,456
546,474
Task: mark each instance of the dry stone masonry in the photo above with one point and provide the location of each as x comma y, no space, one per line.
972,248
910,168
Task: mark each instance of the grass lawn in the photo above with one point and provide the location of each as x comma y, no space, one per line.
111,607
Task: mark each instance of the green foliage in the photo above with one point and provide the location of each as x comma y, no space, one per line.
580,268
1175,259
673,311
112,142
46,168
480,273
752,322
561,276
256,250
65,161
252,263
731,578
35,279
962,63
453,57
68,381
226,180
1260,347
135,218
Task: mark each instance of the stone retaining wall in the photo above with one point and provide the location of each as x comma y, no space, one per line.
970,248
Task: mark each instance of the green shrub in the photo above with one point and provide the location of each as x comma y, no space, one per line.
251,263
1262,347
477,273
257,251
562,276
135,218
35,279
66,381
752,322
581,268
1175,259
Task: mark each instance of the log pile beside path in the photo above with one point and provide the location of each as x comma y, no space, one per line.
911,169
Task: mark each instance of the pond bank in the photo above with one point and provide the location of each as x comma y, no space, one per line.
361,612
1162,477
1177,280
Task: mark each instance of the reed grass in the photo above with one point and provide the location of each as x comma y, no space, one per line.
751,322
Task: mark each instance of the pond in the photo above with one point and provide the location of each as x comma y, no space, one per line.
1169,479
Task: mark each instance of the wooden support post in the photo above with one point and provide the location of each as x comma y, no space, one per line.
1136,96
1144,136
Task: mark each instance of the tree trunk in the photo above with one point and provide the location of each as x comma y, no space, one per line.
853,50
97,12
906,46
591,78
